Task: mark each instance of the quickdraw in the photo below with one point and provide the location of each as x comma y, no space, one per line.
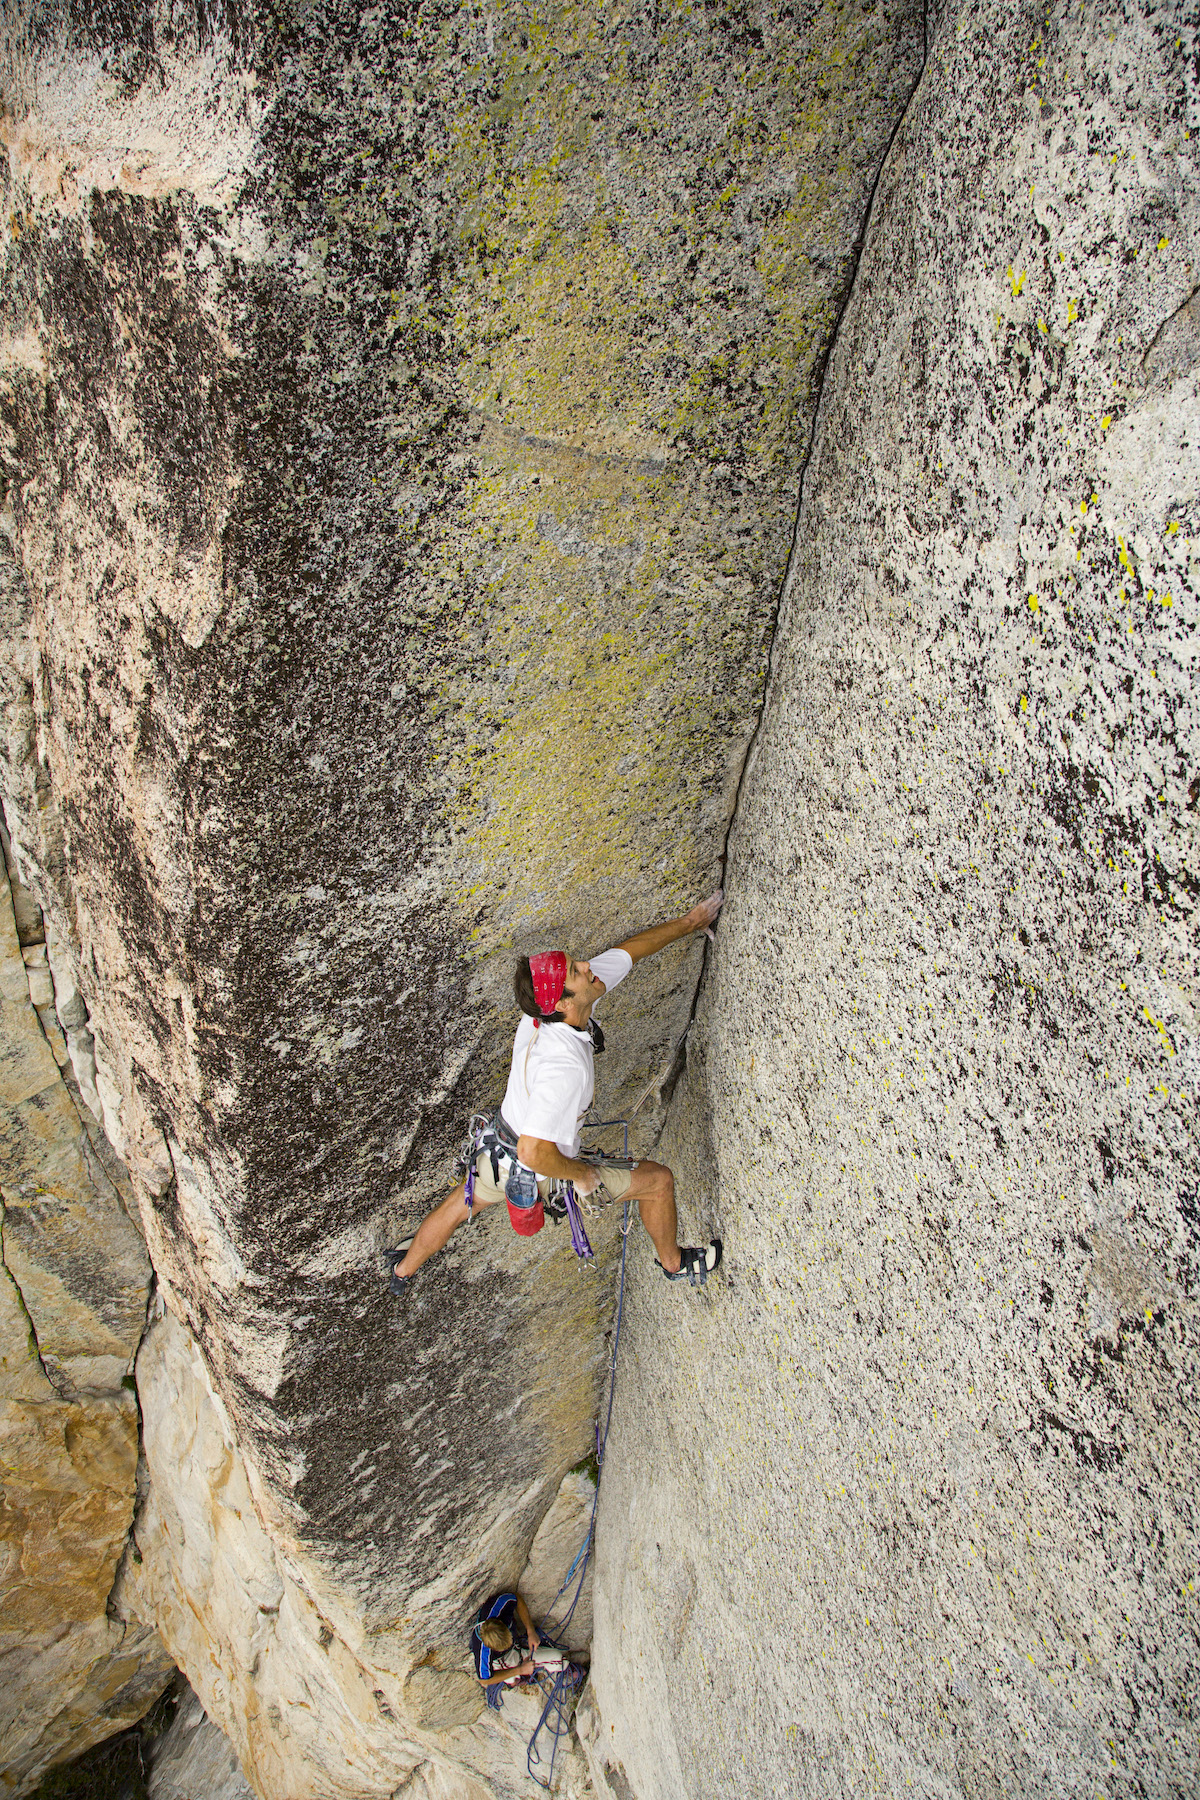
577,1204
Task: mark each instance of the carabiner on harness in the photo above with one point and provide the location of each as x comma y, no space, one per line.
485,1135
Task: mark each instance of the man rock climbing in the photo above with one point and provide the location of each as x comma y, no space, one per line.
535,1136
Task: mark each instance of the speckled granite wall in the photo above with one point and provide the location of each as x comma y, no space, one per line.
906,1502
404,410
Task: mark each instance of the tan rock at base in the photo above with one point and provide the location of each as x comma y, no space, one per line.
73,1282
69,1675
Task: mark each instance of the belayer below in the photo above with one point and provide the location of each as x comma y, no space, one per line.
506,1644
534,1138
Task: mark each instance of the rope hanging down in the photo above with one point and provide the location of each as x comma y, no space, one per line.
556,1714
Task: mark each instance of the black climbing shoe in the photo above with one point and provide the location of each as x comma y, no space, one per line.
696,1265
397,1283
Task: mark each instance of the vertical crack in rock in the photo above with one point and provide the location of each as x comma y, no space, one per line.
664,1087
53,1378
821,376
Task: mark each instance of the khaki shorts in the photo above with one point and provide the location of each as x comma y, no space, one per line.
614,1186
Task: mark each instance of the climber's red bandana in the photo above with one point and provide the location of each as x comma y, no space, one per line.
549,971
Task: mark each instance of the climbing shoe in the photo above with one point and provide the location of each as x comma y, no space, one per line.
696,1265
397,1283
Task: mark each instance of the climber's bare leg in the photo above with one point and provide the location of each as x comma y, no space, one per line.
653,1187
437,1228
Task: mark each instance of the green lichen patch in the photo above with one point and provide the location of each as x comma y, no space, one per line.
655,221
616,672
649,230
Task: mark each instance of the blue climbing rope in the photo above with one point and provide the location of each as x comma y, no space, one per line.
559,1703
562,1687
585,1549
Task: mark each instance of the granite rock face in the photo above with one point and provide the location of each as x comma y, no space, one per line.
404,412
194,1760
74,1279
403,417
271,1670
921,1514
282,1666
555,1550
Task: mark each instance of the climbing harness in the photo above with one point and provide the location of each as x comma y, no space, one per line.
487,1133
491,1135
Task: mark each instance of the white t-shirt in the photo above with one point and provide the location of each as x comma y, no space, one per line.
553,1075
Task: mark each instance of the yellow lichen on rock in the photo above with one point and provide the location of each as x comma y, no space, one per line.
651,247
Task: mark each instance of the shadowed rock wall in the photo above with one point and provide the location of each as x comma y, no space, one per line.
310,1708
404,411
194,1757
74,1279
908,1499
